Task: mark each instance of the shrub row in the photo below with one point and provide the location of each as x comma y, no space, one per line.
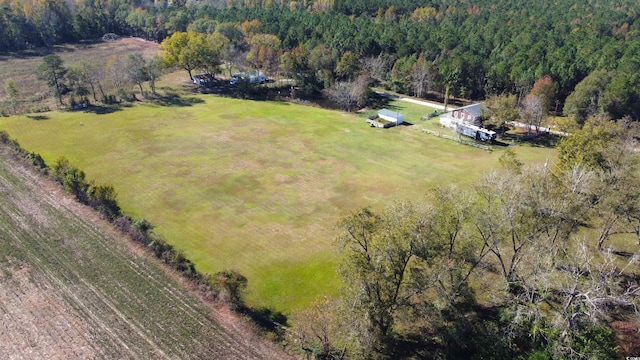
35,159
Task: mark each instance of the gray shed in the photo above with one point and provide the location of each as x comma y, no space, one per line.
392,116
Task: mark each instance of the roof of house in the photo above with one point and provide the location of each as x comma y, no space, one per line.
474,109
393,114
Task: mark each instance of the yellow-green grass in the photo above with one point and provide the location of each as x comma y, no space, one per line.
254,186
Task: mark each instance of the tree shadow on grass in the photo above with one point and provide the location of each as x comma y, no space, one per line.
247,91
391,107
173,99
104,109
500,143
545,140
35,52
38,117
267,319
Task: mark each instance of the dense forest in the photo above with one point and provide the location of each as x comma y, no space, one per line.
500,270
467,49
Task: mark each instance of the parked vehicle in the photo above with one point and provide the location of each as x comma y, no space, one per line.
254,77
476,132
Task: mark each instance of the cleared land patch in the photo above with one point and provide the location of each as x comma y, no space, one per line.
254,186
71,289
33,92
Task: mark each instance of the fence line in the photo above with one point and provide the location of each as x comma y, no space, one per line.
458,139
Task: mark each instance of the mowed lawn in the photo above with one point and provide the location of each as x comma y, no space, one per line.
255,186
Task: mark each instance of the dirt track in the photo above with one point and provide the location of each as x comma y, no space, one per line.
70,288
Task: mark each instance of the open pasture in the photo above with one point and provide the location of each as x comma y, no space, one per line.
254,186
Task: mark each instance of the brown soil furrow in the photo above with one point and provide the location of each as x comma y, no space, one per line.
135,327
99,323
8,323
62,288
29,330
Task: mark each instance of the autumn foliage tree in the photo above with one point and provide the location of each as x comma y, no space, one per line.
264,52
177,52
500,110
192,50
545,89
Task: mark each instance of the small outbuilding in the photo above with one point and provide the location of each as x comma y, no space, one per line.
391,116
385,119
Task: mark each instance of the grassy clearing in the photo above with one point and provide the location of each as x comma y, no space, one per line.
255,186
69,288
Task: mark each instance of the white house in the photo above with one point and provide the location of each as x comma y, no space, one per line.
470,115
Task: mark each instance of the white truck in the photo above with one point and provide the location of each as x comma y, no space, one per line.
254,77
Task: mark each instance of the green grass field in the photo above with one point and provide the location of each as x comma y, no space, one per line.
255,186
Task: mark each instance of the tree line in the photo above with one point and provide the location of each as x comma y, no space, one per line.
449,47
501,269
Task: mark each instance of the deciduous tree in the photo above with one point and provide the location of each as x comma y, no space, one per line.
135,69
192,50
264,52
377,251
422,74
545,89
78,79
423,14
117,77
532,111
154,70
587,147
319,330
350,94
177,52
585,100
501,109
376,68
